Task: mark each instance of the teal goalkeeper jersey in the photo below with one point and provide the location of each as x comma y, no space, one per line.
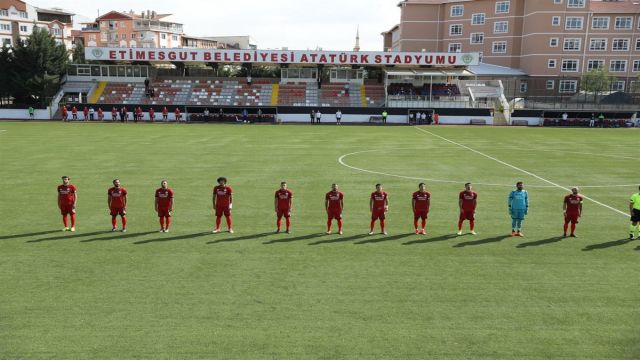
519,200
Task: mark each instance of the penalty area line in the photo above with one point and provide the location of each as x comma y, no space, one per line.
517,169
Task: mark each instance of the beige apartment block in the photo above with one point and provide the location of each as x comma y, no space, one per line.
552,39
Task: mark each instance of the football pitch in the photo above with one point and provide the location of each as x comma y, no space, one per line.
191,294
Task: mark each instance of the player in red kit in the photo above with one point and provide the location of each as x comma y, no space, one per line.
178,115
334,203
117,201
65,113
379,205
572,208
164,205
114,114
152,114
420,202
223,203
165,114
67,198
283,203
467,204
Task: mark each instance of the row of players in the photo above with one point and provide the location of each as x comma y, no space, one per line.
518,203
90,114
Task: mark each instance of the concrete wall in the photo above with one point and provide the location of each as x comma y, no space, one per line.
23,114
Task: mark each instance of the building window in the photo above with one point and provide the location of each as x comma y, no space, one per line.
638,44
523,86
551,64
574,23
569,65
500,27
553,42
551,84
174,37
5,27
92,37
620,45
572,44
598,45
457,10
6,42
636,65
600,23
4,12
502,7
124,36
499,47
575,3
557,1
133,36
477,38
595,65
163,36
23,15
555,21
624,23
568,86
455,29
477,19
618,66
23,28
617,85
455,47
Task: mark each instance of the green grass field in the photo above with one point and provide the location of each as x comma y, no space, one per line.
190,294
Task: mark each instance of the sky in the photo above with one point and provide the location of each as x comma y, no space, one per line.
298,25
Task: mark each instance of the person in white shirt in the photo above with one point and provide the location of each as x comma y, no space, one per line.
338,117
318,116
423,117
565,116
91,113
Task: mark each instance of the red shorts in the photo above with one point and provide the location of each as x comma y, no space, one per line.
421,214
468,215
571,217
223,210
66,209
378,214
117,211
334,214
284,212
164,213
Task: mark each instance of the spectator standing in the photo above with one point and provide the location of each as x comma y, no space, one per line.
318,116
565,117
100,114
221,115
146,85
206,114
249,80
601,120
245,116
92,113
85,112
74,113
592,122
423,117
259,115
178,115
312,115
338,117
165,114
114,114
347,87
152,115
31,113
384,116
65,113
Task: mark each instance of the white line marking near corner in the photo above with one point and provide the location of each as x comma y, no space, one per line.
517,168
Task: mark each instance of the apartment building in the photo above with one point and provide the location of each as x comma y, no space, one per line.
128,29
17,20
552,39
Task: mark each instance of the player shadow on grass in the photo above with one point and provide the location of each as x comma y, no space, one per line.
340,239
68,236
173,238
16,236
606,245
432,240
552,240
383,239
297,238
119,236
247,237
483,241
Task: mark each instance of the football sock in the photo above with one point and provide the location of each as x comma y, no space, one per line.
64,221
636,228
288,222
228,218
415,224
124,222
382,225
167,221
373,224
218,221
162,222
460,224
329,225
472,224
114,221
340,225
573,228
566,226
73,220
278,223
424,223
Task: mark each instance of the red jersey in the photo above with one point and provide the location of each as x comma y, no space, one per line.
165,111
177,111
468,200
114,111
117,197
284,197
223,195
379,198
66,194
573,203
151,112
99,111
164,197
422,200
74,110
64,111
335,198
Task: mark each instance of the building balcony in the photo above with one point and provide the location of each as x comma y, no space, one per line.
176,29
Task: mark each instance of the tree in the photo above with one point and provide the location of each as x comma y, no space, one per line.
596,81
78,54
38,66
6,62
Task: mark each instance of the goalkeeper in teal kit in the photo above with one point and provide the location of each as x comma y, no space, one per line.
518,208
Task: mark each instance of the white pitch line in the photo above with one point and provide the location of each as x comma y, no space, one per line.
518,169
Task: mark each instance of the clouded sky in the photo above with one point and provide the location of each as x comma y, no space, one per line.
301,24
